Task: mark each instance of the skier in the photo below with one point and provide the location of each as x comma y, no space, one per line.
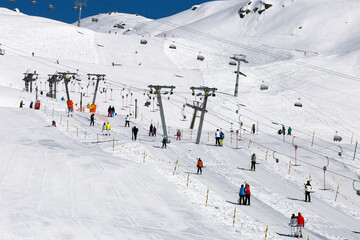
293,224
127,121
253,129
92,119
199,166
31,104
222,136
247,194
307,191
283,129
279,132
253,162
113,111
289,131
109,111
300,224
53,123
178,135
164,141
217,137
154,131
151,130
134,133
242,195
21,104
103,128
70,112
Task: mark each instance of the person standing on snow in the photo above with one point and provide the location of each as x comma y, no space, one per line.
31,104
127,121
109,111
151,130
242,195
253,162
199,166
222,136
283,129
154,131
217,137
113,111
307,191
134,133
300,224
22,104
247,194
164,141
92,119
289,131
253,129
178,135
293,224
103,127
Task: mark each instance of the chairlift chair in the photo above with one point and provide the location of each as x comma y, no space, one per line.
232,63
172,46
33,3
2,51
11,0
337,138
51,7
75,8
298,104
143,41
263,86
200,57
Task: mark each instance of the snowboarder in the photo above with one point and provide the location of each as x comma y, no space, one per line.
222,136
289,131
307,191
154,131
247,194
217,137
199,166
178,135
151,130
92,119
253,162
293,224
53,123
253,129
300,224
283,129
21,104
127,121
134,133
164,141
242,195
31,104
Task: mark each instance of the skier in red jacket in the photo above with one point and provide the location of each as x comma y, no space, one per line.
247,194
301,224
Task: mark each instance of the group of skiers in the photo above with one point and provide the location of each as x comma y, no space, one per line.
283,130
111,111
152,130
244,194
106,128
219,137
297,223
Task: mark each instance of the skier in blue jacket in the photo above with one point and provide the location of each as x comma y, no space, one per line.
241,195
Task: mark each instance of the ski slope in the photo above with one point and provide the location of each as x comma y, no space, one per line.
73,182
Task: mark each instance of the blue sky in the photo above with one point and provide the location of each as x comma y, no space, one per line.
63,8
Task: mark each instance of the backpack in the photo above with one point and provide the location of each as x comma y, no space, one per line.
222,135
200,163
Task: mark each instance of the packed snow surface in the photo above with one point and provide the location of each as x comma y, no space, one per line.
73,181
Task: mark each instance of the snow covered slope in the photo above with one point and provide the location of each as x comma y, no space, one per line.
74,182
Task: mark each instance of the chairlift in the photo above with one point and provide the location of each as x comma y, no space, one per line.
298,104
263,86
337,138
172,46
2,51
143,41
11,0
94,19
51,7
75,8
33,3
200,57
232,63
